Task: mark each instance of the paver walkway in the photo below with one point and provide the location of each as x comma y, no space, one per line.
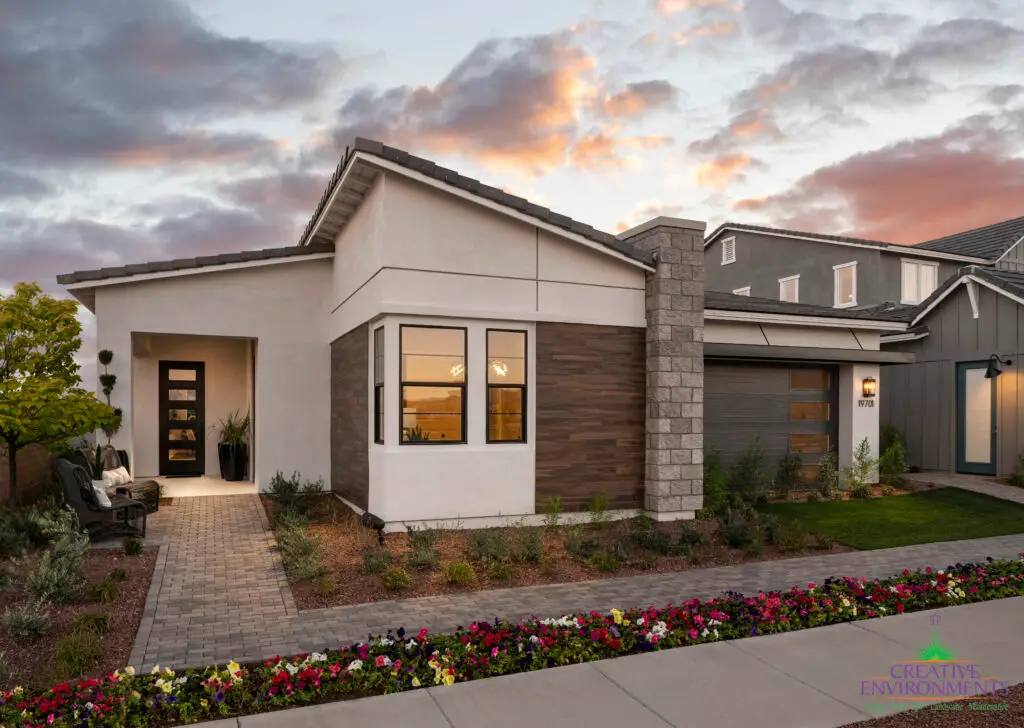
807,679
219,589
977,483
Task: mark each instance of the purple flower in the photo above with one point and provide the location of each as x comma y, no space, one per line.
615,632
218,697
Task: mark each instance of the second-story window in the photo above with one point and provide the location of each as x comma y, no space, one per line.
789,289
845,284
728,251
919,280
433,386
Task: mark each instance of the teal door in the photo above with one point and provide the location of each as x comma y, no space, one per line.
975,419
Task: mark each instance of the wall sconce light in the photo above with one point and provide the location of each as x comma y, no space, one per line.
870,387
994,370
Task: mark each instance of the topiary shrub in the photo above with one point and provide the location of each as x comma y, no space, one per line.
396,579
459,573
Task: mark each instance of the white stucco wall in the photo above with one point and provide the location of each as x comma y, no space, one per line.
857,421
282,306
459,481
227,386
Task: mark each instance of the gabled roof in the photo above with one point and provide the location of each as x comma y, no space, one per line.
338,204
989,242
1005,282
895,248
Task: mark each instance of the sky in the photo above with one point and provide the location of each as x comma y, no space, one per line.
134,131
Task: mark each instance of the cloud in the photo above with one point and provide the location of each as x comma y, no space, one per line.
601,150
772,22
1005,94
646,211
639,98
124,83
719,28
291,192
669,8
912,190
15,184
720,172
961,44
755,125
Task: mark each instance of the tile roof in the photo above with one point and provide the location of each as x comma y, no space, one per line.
802,233
161,266
719,301
987,242
476,187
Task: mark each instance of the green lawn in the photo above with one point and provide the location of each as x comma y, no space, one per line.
944,514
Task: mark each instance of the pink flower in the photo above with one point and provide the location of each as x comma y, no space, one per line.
693,634
422,635
494,652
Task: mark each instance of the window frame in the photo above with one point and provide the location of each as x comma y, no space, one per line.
796,280
745,291
920,265
463,385
522,387
379,419
836,303
729,244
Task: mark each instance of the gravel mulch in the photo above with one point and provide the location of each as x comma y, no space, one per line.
985,713
33,664
344,538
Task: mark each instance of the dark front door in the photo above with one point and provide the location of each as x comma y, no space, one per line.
182,418
975,419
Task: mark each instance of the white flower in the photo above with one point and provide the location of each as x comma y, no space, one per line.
893,589
534,639
291,668
355,665
934,583
386,641
410,645
714,622
318,657
705,633
940,572
180,680
716,634
881,608
640,621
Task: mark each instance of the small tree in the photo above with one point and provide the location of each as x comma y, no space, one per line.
863,471
40,401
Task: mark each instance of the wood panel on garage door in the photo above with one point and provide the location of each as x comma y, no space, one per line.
787,408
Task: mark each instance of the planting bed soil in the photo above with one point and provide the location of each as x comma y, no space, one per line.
33,664
344,539
997,711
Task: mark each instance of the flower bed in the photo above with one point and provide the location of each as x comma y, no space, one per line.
404,660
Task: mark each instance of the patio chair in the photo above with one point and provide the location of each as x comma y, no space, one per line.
143,491
99,521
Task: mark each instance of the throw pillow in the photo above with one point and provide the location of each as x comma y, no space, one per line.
124,477
102,499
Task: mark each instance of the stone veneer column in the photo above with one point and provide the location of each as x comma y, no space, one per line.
674,456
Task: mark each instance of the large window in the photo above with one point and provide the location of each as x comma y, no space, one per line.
789,289
433,384
919,280
378,385
845,284
506,386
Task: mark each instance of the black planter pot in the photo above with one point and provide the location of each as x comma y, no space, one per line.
234,460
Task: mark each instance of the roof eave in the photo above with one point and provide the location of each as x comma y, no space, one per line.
804,320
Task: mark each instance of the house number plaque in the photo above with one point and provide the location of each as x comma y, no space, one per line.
865,403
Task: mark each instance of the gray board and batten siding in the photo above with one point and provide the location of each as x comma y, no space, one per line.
761,260
920,399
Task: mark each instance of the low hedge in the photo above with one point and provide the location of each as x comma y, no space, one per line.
403,660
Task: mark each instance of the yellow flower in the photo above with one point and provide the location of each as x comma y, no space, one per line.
626,622
617,616
233,667
129,671
415,681
203,702
448,679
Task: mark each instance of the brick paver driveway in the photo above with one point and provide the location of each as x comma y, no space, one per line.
219,590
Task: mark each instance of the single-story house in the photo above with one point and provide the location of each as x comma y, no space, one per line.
437,350
960,404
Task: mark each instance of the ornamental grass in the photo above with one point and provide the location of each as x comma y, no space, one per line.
402,660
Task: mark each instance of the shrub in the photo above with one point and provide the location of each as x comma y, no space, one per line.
575,545
689,536
813,496
823,542
487,545
788,475
529,546
132,546
648,562
893,463
599,508
421,538
754,548
888,490
501,571
424,559
603,561
828,474
792,537
24,528
103,591
118,574
716,481
27,623
548,565
736,530
396,579
58,576
325,587
552,511
861,491
301,554
77,652
771,527
98,622
459,573
656,541
748,477
285,491
376,560
863,469
888,436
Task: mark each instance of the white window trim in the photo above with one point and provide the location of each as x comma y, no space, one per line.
725,241
919,264
782,281
745,291
835,288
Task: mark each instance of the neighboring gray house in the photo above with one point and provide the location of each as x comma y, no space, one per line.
824,270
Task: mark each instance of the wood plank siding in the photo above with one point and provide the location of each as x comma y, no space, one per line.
350,455
590,414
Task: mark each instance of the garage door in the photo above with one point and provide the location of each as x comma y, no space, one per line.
788,408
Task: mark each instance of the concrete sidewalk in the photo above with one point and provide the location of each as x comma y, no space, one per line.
807,679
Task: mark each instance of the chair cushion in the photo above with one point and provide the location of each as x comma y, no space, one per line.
116,476
101,497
